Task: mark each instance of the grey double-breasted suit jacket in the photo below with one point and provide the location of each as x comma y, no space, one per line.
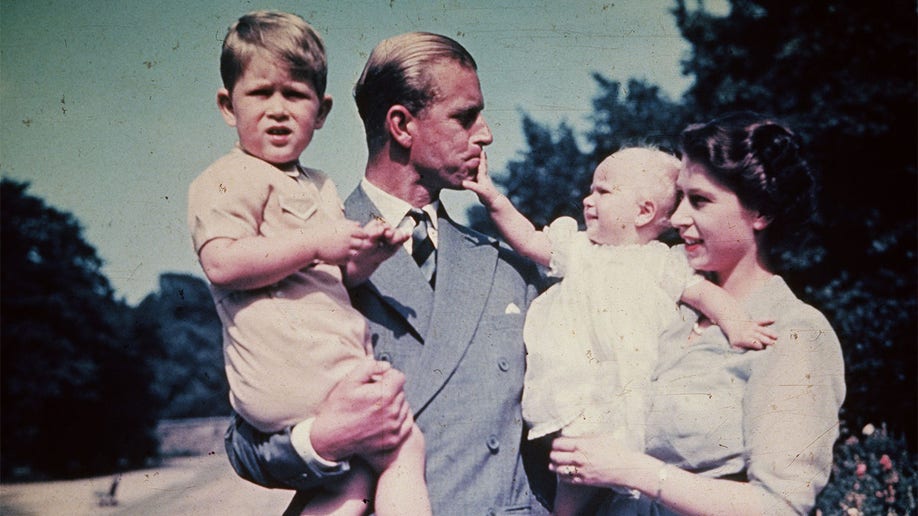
461,349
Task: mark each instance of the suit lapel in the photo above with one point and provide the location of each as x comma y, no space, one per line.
465,268
398,281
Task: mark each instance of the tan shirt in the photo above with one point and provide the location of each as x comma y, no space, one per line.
286,345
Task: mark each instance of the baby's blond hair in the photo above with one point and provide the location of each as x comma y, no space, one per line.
653,174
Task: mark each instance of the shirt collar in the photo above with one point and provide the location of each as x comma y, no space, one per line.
391,208
293,170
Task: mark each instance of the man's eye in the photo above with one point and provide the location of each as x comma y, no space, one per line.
467,119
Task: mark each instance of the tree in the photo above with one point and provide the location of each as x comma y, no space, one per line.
75,390
554,174
843,74
180,328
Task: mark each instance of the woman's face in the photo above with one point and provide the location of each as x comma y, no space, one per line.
719,232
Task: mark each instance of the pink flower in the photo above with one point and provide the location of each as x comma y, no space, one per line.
886,462
861,470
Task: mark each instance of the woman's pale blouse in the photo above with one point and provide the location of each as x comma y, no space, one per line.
770,415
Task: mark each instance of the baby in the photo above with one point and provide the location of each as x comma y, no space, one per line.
591,339
273,241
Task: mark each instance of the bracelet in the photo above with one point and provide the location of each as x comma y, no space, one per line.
662,474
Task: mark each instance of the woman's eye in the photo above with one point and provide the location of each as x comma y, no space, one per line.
697,200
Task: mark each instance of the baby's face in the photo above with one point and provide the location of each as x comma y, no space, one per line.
611,208
274,114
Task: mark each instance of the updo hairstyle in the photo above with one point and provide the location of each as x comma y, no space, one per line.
759,159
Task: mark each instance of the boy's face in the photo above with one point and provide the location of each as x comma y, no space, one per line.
274,114
611,206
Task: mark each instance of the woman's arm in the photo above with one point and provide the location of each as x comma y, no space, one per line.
791,405
790,423
602,462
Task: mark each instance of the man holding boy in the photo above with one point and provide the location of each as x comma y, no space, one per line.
454,332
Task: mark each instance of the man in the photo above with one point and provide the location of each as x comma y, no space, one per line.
450,321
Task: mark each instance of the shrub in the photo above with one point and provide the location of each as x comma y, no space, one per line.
871,474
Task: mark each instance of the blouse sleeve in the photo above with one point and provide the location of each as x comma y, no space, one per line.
791,412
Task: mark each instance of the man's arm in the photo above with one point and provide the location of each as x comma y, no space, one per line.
365,413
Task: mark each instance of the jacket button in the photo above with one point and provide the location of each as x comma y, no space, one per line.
492,512
493,444
385,357
503,364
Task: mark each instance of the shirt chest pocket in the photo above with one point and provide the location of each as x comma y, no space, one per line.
298,207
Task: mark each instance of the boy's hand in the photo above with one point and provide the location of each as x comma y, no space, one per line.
341,240
381,243
482,186
748,334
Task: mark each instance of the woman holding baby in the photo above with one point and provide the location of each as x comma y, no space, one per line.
731,431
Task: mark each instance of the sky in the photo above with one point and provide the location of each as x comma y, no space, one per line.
107,108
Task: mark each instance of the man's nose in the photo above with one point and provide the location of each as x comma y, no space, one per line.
483,134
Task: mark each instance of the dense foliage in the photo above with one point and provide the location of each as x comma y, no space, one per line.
872,474
843,74
75,389
179,328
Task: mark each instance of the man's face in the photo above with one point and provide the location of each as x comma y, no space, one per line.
449,134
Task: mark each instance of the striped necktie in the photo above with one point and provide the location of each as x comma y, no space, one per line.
422,248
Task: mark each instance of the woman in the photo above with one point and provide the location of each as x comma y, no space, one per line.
731,431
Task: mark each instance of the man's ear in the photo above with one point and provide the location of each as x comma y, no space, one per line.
324,109
225,105
647,210
400,124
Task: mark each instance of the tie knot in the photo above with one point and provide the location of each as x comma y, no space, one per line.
423,250
418,215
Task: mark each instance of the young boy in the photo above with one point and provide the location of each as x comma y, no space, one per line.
591,340
273,241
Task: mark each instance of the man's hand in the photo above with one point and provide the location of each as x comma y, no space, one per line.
364,414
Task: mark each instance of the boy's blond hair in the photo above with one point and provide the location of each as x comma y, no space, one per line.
283,36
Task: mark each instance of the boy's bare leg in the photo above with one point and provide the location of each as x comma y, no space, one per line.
350,498
402,486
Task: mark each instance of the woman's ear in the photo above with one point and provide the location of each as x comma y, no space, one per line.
760,222
647,210
400,123
325,107
225,105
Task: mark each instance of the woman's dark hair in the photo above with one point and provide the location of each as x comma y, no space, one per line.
759,159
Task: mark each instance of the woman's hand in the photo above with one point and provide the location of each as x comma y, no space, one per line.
600,461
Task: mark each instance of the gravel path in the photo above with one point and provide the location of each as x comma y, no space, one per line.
204,485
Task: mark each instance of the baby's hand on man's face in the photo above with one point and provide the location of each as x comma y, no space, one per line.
483,186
